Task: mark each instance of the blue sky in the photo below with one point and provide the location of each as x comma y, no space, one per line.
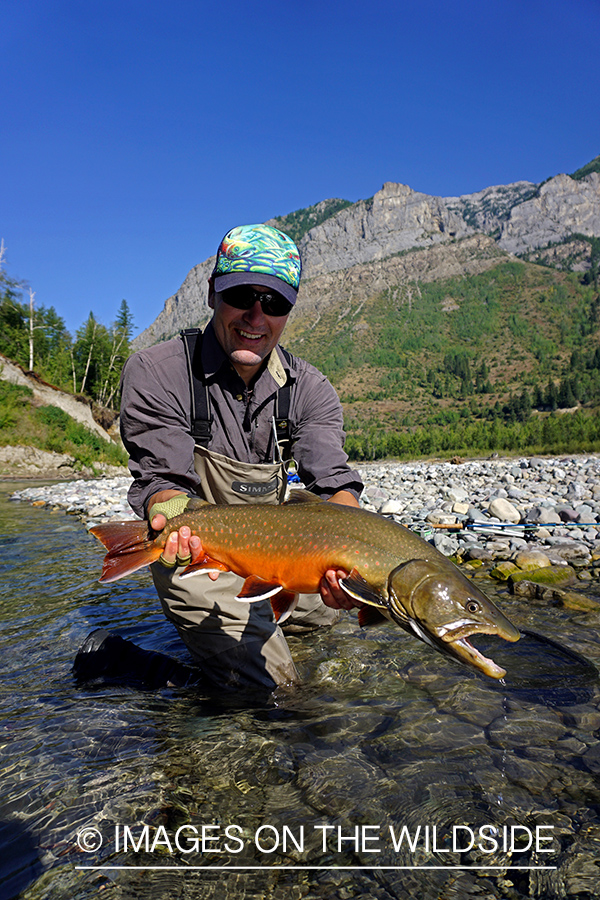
136,133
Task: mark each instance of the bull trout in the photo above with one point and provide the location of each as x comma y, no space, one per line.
282,551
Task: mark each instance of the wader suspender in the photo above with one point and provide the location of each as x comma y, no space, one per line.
202,420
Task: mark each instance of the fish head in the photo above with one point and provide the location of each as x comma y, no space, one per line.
439,604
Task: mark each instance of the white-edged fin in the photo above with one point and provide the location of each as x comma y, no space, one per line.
189,573
256,588
359,588
283,605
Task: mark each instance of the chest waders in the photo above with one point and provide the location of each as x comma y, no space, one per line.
236,644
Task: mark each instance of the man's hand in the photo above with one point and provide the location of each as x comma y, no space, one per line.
182,547
332,594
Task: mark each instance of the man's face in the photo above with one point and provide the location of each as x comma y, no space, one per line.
246,336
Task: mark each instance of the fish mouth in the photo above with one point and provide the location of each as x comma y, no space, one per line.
465,651
454,642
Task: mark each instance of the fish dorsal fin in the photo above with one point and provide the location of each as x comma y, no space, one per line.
256,588
369,615
359,588
197,503
299,495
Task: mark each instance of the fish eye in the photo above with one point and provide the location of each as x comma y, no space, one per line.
472,606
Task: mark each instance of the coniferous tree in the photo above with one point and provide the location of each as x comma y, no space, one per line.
551,398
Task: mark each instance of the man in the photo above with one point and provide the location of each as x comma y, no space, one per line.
201,416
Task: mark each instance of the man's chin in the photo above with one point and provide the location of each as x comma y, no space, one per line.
246,358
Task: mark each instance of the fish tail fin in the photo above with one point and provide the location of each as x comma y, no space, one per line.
129,548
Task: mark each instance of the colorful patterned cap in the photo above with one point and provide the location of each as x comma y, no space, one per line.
258,254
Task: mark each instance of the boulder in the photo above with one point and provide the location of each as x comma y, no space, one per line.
503,510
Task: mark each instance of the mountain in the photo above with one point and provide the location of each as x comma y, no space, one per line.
401,236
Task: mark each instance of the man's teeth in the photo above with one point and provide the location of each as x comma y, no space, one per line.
246,334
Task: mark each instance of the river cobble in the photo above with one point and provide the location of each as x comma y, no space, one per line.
495,506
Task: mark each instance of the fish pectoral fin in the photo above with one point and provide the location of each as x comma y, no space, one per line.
256,588
369,615
299,495
283,605
359,588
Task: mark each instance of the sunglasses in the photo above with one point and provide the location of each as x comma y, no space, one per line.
244,297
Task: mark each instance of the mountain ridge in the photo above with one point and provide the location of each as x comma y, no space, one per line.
519,218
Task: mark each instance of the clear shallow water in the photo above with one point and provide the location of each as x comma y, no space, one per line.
385,734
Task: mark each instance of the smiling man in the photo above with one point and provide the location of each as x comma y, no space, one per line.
223,415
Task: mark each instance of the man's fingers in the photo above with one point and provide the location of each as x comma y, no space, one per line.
158,522
331,592
169,553
183,546
195,546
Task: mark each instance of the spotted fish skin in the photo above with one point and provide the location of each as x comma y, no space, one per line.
282,551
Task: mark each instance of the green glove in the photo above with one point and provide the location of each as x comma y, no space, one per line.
170,508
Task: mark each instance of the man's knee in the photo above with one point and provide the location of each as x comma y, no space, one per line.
234,643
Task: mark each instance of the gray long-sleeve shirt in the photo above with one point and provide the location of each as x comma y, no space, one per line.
156,420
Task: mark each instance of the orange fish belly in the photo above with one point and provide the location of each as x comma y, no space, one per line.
293,568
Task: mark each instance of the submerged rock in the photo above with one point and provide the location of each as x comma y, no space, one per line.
553,596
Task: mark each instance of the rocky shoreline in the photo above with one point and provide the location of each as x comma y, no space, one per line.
528,521
531,522
22,462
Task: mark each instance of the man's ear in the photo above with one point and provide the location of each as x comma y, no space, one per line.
211,292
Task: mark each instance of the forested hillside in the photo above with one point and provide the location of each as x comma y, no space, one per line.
36,338
88,366
503,351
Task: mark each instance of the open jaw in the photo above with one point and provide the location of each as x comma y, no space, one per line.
455,641
464,650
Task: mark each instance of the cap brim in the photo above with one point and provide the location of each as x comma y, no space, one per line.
232,279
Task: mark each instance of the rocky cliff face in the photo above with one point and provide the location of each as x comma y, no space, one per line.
469,256
395,219
517,218
487,210
561,207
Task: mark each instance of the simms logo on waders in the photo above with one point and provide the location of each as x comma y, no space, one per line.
250,487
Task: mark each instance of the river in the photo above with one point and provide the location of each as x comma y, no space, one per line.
392,773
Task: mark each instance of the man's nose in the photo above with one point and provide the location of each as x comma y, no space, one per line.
255,313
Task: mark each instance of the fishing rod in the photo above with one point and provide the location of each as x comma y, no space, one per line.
510,529
459,526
